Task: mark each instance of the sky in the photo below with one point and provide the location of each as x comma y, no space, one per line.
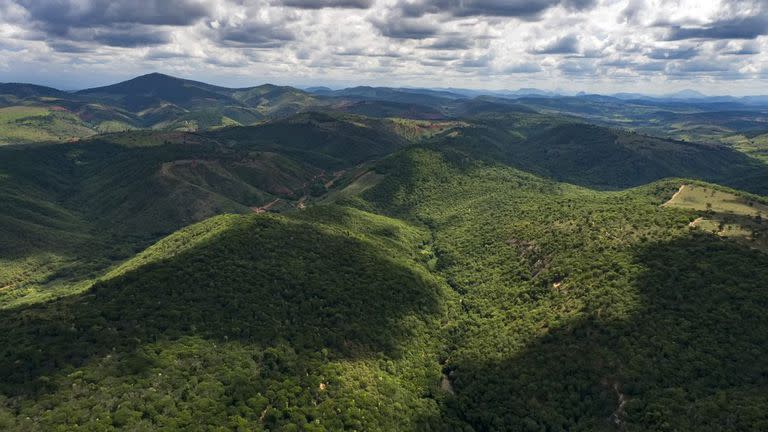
597,46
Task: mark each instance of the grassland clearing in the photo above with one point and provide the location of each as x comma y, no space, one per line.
726,214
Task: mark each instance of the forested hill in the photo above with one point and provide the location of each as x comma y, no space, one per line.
502,272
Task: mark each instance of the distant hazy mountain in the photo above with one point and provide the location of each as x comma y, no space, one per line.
686,94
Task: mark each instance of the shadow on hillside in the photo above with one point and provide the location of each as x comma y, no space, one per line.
262,281
603,158
691,358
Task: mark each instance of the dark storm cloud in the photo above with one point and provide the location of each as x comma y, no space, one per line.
320,4
672,53
738,28
564,45
506,8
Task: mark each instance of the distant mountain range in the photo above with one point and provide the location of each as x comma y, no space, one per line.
30,113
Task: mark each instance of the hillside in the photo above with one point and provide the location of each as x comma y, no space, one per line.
507,271
153,101
570,150
584,310
487,299
72,210
283,340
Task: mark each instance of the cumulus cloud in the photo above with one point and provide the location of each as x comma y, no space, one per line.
672,53
124,23
528,9
523,68
551,43
738,28
61,15
451,42
564,45
320,4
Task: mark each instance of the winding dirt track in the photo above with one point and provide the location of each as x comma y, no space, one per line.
679,191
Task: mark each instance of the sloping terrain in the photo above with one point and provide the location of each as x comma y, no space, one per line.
726,214
153,101
572,151
70,210
250,301
489,274
584,310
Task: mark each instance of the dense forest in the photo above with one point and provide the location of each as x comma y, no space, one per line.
511,271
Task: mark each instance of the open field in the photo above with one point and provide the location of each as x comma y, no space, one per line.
707,199
725,214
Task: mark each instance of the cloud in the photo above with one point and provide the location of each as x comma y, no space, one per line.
58,16
405,28
738,28
542,43
129,37
121,23
672,53
528,9
577,67
564,45
66,47
650,67
320,4
254,34
522,68
451,43
632,12
697,67
476,62
749,48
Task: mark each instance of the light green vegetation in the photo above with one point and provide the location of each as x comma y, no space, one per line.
111,126
755,145
702,198
21,124
725,213
360,184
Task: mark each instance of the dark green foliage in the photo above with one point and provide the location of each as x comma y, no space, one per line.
246,308
491,297
573,301
599,157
